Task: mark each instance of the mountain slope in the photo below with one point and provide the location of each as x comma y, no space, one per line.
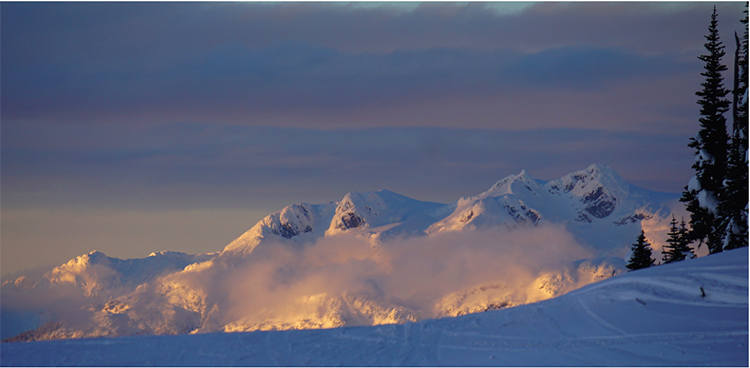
652,317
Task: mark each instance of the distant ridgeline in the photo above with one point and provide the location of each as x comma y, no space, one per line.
587,221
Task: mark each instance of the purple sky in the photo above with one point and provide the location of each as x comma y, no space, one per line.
136,127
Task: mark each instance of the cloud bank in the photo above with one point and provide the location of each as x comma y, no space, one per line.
339,280
291,65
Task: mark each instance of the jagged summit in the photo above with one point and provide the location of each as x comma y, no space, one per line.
582,181
373,210
597,187
371,214
513,184
595,203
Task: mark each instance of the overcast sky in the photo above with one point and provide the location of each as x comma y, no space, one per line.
137,127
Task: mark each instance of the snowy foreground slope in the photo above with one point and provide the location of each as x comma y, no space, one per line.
651,317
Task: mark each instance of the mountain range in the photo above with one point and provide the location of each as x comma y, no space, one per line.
357,261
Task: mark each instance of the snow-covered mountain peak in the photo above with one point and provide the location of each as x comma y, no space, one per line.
513,184
78,263
96,272
581,182
598,188
383,208
596,194
370,213
300,221
356,199
166,253
357,210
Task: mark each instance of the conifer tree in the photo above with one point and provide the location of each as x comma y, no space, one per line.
710,144
734,200
677,248
641,257
668,251
685,240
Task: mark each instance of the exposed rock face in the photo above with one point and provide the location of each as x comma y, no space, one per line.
350,221
582,217
599,203
358,210
288,231
631,219
292,221
521,214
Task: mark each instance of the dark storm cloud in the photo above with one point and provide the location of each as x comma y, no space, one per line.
328,65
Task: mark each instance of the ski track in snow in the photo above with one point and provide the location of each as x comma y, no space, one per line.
599,325
599,320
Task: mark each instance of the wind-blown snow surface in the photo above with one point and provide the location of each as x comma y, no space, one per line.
368,259
651,317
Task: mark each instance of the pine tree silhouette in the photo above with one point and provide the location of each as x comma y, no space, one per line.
641,257
677,248
685,240
734,199
710,145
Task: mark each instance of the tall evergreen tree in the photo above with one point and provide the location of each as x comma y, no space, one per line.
673,240
641,254
685,239
677,248
734,199
710,144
